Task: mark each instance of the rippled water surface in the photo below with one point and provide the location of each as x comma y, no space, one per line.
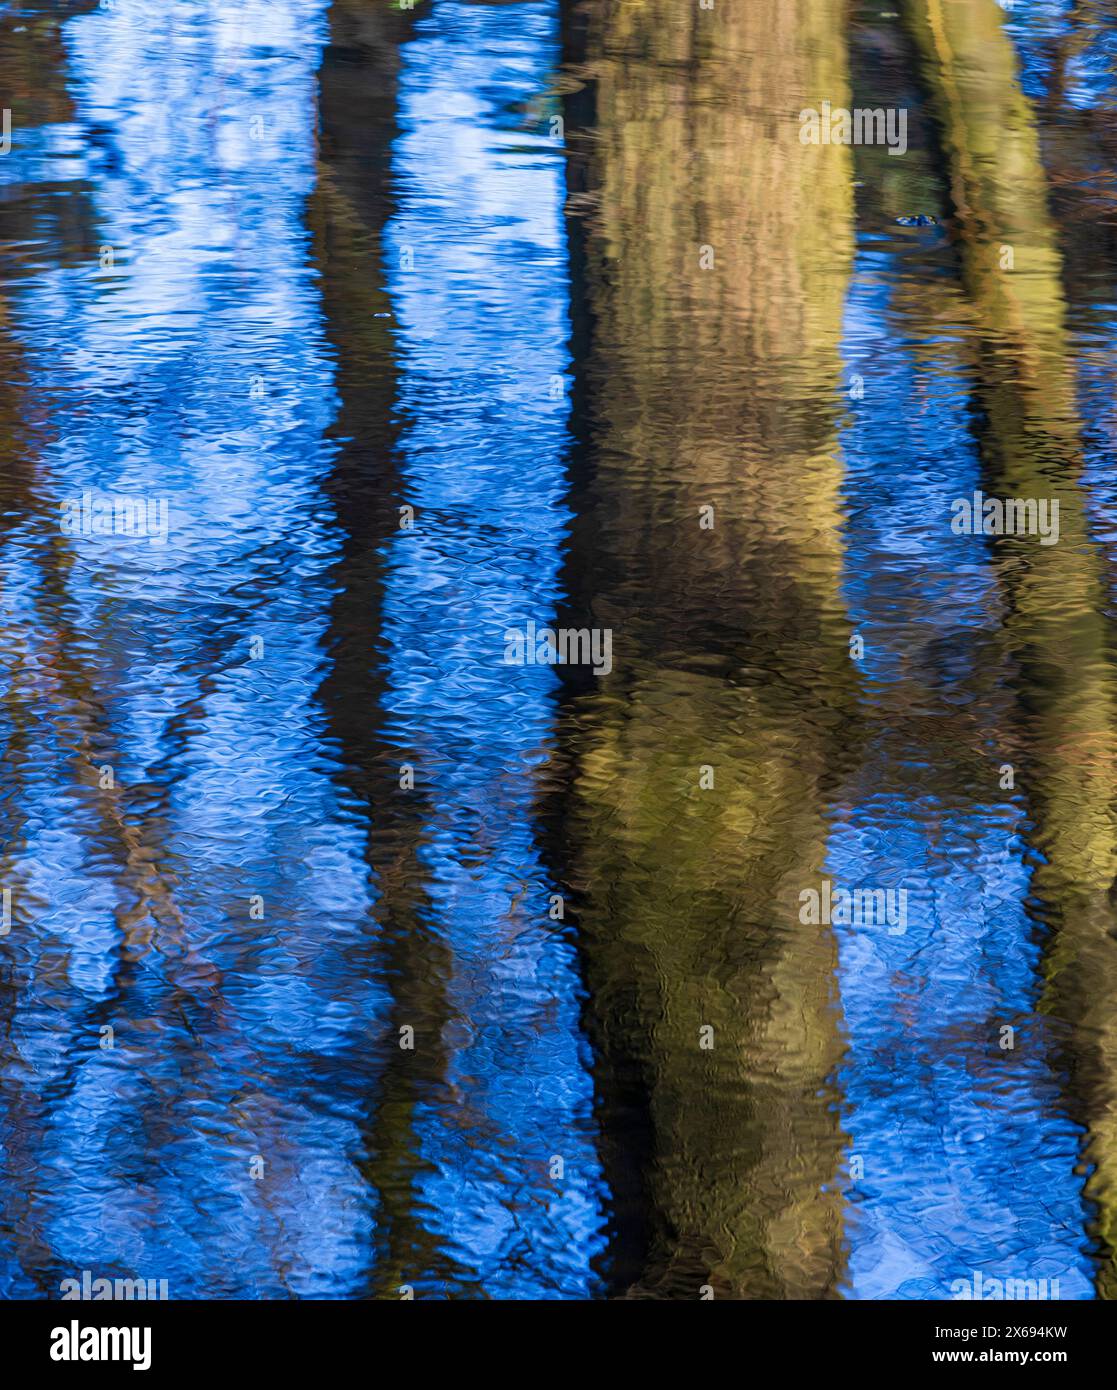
348,949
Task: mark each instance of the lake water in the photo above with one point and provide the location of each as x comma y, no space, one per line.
352,947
